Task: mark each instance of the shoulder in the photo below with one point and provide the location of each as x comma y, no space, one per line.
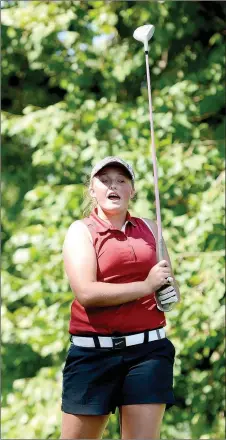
77,226
151,224
79,231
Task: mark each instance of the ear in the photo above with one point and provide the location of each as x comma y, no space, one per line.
133,193
92,192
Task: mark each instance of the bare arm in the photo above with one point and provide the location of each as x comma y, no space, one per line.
80,266
166,255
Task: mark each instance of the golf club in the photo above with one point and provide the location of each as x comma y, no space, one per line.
144,34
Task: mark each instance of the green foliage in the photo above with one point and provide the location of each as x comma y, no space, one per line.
74,90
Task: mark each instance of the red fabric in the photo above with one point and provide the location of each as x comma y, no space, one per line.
121,258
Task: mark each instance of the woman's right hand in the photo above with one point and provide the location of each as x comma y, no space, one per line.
157,276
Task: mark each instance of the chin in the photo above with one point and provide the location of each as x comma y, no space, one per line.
114,209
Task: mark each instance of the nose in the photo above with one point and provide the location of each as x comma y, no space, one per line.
113,184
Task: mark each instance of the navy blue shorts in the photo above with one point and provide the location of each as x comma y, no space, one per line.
97,380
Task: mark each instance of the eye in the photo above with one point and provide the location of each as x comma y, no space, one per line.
121,181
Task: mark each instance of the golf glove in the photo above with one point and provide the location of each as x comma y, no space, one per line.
167,296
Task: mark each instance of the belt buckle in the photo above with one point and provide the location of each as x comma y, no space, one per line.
119,342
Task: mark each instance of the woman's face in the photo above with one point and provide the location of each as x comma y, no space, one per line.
112,189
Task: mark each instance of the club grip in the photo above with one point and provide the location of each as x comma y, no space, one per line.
163,307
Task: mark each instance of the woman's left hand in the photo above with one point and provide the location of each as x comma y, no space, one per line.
168,295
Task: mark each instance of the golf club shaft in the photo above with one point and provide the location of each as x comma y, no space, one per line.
154,160
167,307
144,34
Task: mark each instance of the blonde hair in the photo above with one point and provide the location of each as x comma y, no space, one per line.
89,202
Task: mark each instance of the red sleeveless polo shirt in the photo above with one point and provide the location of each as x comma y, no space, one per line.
123,256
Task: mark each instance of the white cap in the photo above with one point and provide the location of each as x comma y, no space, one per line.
112,160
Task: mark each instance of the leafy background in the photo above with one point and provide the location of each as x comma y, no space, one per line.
74,90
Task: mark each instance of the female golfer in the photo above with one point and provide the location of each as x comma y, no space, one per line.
119,354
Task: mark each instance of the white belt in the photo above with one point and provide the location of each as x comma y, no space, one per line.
118,341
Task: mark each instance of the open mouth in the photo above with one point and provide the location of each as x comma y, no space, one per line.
114,197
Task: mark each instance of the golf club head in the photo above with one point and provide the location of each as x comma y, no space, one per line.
144,34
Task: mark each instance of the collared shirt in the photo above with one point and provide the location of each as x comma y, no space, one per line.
123,256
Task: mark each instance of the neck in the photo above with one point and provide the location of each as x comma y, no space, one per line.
115,219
